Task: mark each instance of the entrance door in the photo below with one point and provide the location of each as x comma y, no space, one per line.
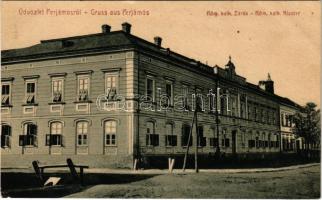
233,142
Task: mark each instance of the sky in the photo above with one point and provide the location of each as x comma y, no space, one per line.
286,46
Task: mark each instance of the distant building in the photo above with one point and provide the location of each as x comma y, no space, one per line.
100,99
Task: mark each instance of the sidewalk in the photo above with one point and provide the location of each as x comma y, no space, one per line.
166,171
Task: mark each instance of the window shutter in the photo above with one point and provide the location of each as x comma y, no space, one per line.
9,142
147,139
48,141
21,140
62,141
3,141
35,141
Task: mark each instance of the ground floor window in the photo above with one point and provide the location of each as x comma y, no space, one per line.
170,139
213,142
152,139
5,136
225,139
55,137
29,138
110,133
185,135
201,140
82,131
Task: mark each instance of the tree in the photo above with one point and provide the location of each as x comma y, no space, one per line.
307,125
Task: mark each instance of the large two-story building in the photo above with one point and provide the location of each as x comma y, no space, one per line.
105,99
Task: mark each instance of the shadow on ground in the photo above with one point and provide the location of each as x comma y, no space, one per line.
17,185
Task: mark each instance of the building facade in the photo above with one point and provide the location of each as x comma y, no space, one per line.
108,98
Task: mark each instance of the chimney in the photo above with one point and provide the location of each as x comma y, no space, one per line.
126,27
157,41
106,28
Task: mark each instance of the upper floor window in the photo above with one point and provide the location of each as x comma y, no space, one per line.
83,88
82,132
170,138
111,84
185,94
110,133
169,92
150,89
30,91
55,137
6,94
57,90
29,136
5,136
152,139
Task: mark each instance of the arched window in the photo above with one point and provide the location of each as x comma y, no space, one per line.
82,132
152,139
110,133
170,138
5,136
55,137
29,137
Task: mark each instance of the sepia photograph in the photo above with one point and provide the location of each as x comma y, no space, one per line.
158,99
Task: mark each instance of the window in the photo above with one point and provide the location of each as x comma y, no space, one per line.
5,136
249,112
274,117
262,115
199,100
242,111
282,119
251,143
6,94
150,94
213,142
110,133
243,138
269,140
30,92
258,141
29,137
57,90
224,140
152,139
83,88
169,92
185,93
201,140
82,131
55,137
170,139
223,105
255,114
233,106
264,142
111,85
185,135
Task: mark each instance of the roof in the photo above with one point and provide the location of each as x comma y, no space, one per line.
113,41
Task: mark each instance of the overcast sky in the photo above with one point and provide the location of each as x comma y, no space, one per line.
288,47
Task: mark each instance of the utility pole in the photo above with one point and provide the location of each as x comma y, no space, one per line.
194,120
217,117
